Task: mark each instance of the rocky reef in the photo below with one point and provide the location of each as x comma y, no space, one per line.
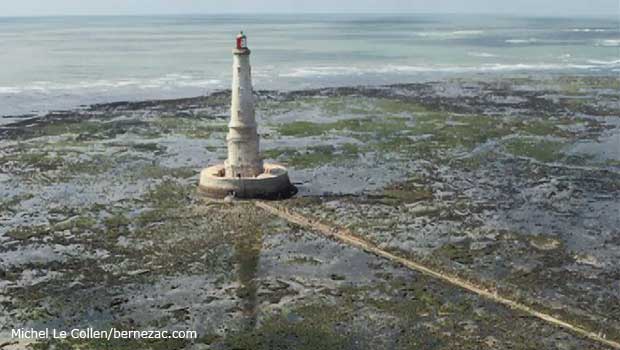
513,183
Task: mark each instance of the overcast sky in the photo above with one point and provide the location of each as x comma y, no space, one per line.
135,7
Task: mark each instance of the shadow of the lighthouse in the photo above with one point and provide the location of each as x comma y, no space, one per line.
246,255
244,174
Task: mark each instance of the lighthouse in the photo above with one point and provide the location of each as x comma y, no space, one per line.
244,174
243,159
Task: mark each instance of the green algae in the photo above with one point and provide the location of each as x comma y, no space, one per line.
148,148
169,193
44,161
582,85
164,202
399,107
23,233
303,260
467,131
11,203
361,317
459,253
406,193
91,129
205,132
541,242
315,329
77,224
97,164
543,127
381,127
218,236
195,128
116,224
57,162
304,128
158,171
326,106
314,156
406,127
474,161
540,150
612,162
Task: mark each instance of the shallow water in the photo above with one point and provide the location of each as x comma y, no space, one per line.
63,62
605,148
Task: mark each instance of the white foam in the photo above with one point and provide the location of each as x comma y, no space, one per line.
457,33
609,42
169,80
468,32
481,54
200,83
522,41
587,30
324,71
605,63
9,90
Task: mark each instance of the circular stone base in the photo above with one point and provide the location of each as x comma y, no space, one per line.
273,183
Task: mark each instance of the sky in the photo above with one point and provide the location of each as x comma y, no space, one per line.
137,7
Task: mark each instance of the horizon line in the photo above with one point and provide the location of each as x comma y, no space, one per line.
391,12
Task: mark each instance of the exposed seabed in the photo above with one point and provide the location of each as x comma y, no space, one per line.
511,183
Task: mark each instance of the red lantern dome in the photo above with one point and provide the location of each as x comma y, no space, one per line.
242,42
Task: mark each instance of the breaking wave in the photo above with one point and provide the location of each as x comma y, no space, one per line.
481,54
167,81
324,71
446,35
522,41
605,63
588,30
609,42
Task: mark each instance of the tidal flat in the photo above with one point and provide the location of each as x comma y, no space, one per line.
512,183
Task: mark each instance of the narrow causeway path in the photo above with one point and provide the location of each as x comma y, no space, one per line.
349,238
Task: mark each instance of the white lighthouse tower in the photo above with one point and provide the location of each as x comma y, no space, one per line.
243,159
243,174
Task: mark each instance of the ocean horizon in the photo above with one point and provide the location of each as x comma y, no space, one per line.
62,62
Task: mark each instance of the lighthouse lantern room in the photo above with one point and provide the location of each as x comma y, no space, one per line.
242,41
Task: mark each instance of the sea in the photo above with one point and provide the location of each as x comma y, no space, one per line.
55,63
